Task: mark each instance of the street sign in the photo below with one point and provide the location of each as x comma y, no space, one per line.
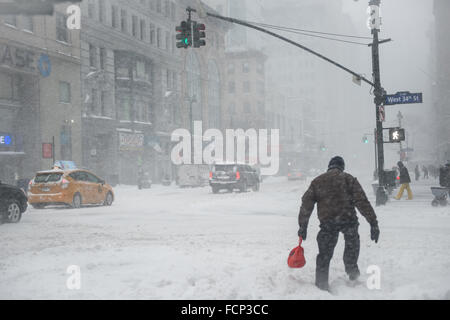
404,97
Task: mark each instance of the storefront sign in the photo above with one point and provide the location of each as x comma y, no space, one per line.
6,139
131,141
17,57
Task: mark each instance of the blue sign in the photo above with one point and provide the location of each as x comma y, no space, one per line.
6,139
403,98
44,65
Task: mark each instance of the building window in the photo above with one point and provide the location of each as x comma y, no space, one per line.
91,9
158,6
92,56
123,20
246,86
172,11
158,37
125,111
28,23
167,8
114,16
103,56
231,87
247,107
260,68
174,81
62,33
101,11
94,101
167,41
152,34
230,68
11,20
134,26
6,86
103,98
142,27
245,67
64,92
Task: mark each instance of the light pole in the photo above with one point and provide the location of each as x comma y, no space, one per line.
374,25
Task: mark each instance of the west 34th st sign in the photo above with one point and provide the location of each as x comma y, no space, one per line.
404,97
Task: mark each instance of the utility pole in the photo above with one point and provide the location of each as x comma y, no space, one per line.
374,24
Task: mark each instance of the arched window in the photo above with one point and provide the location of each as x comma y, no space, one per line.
213,95
193,81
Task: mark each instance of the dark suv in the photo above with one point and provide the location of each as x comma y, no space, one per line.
13,202
233,176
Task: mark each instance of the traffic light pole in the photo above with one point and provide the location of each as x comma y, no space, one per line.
381,197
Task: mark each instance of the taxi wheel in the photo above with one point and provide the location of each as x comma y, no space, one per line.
109,199
76,202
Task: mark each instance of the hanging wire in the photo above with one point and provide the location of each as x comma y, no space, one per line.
313,31
311,35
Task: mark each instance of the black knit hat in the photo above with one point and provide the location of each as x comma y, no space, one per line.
336,162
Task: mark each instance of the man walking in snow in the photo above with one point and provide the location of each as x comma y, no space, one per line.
405,180
337,194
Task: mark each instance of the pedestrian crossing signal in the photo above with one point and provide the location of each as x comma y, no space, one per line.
396,135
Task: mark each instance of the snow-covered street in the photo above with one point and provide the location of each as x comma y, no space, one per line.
171,243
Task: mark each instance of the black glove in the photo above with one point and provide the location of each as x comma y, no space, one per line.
374,232
302,232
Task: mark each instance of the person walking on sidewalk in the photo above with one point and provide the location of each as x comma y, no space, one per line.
405,180
336,193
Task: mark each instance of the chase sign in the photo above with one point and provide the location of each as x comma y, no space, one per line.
6,140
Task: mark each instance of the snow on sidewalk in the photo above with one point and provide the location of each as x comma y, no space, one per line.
170,243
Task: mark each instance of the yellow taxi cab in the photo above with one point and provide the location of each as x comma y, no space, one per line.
74,187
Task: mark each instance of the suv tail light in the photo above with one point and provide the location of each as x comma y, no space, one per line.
210,175
238,175
64,184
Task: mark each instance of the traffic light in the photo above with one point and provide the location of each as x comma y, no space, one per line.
199,34
396,135
365,139
184,35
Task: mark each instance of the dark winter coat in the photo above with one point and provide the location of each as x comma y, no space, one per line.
337,194
404,175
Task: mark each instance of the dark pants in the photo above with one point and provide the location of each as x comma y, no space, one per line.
327,239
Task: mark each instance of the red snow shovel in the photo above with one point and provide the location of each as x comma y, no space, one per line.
296,257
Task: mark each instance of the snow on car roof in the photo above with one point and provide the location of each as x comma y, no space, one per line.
56,171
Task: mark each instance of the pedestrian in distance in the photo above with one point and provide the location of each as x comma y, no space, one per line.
425,172
417,172
336,194
405,180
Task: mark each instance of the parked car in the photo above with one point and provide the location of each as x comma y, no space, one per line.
192,175
13,202
233,176
68,187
